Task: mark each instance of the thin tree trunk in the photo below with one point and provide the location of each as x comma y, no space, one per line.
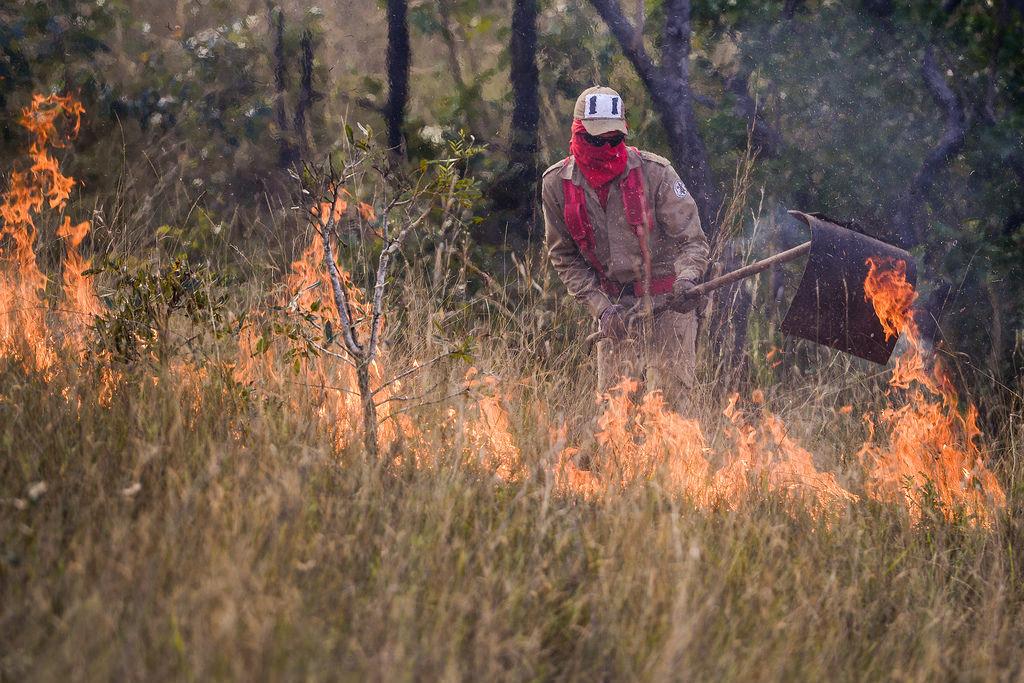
399,57
307,95
525,111
286,154
369,410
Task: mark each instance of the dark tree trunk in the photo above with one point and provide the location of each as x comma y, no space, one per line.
669,87
286,152
307,95
525,112
398,59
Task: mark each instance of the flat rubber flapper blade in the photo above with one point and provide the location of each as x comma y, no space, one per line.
830,307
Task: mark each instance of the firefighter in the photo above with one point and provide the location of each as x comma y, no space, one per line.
624,236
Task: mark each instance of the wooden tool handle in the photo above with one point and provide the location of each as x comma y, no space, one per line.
738,274
752,269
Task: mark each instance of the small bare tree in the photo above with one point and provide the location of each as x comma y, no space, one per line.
434,191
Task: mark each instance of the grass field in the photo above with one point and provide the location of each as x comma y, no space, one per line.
181,500
186,532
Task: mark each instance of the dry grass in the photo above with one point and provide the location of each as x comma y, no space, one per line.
194,528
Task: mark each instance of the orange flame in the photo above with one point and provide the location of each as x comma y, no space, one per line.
325,212
490,430
23,330
80,298
639,440
367,212
931,441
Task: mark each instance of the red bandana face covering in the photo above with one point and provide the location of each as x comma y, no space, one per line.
599,165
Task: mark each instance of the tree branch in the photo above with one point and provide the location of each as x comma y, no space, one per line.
630,40
416,368
381,279
395,413
949,145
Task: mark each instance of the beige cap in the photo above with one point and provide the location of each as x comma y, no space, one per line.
601,110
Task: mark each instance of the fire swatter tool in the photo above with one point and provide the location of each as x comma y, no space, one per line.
830,306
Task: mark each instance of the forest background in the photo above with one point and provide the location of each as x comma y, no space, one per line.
905,119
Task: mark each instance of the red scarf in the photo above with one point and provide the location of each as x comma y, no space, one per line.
599,165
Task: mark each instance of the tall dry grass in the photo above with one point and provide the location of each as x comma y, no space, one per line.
194,527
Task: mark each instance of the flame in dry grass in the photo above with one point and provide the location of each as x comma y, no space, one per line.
637,441
931,442
765,453
80,301
489,429
921,442
23,328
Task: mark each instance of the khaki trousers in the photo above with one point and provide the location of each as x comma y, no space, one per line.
661,355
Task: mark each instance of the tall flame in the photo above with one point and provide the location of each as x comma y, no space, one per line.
933,444
80,300
23,330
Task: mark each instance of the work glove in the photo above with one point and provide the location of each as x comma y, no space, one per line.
684,298
613,322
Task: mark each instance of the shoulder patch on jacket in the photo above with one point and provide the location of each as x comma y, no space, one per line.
651,156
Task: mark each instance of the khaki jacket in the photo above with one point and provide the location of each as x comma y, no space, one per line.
678,245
